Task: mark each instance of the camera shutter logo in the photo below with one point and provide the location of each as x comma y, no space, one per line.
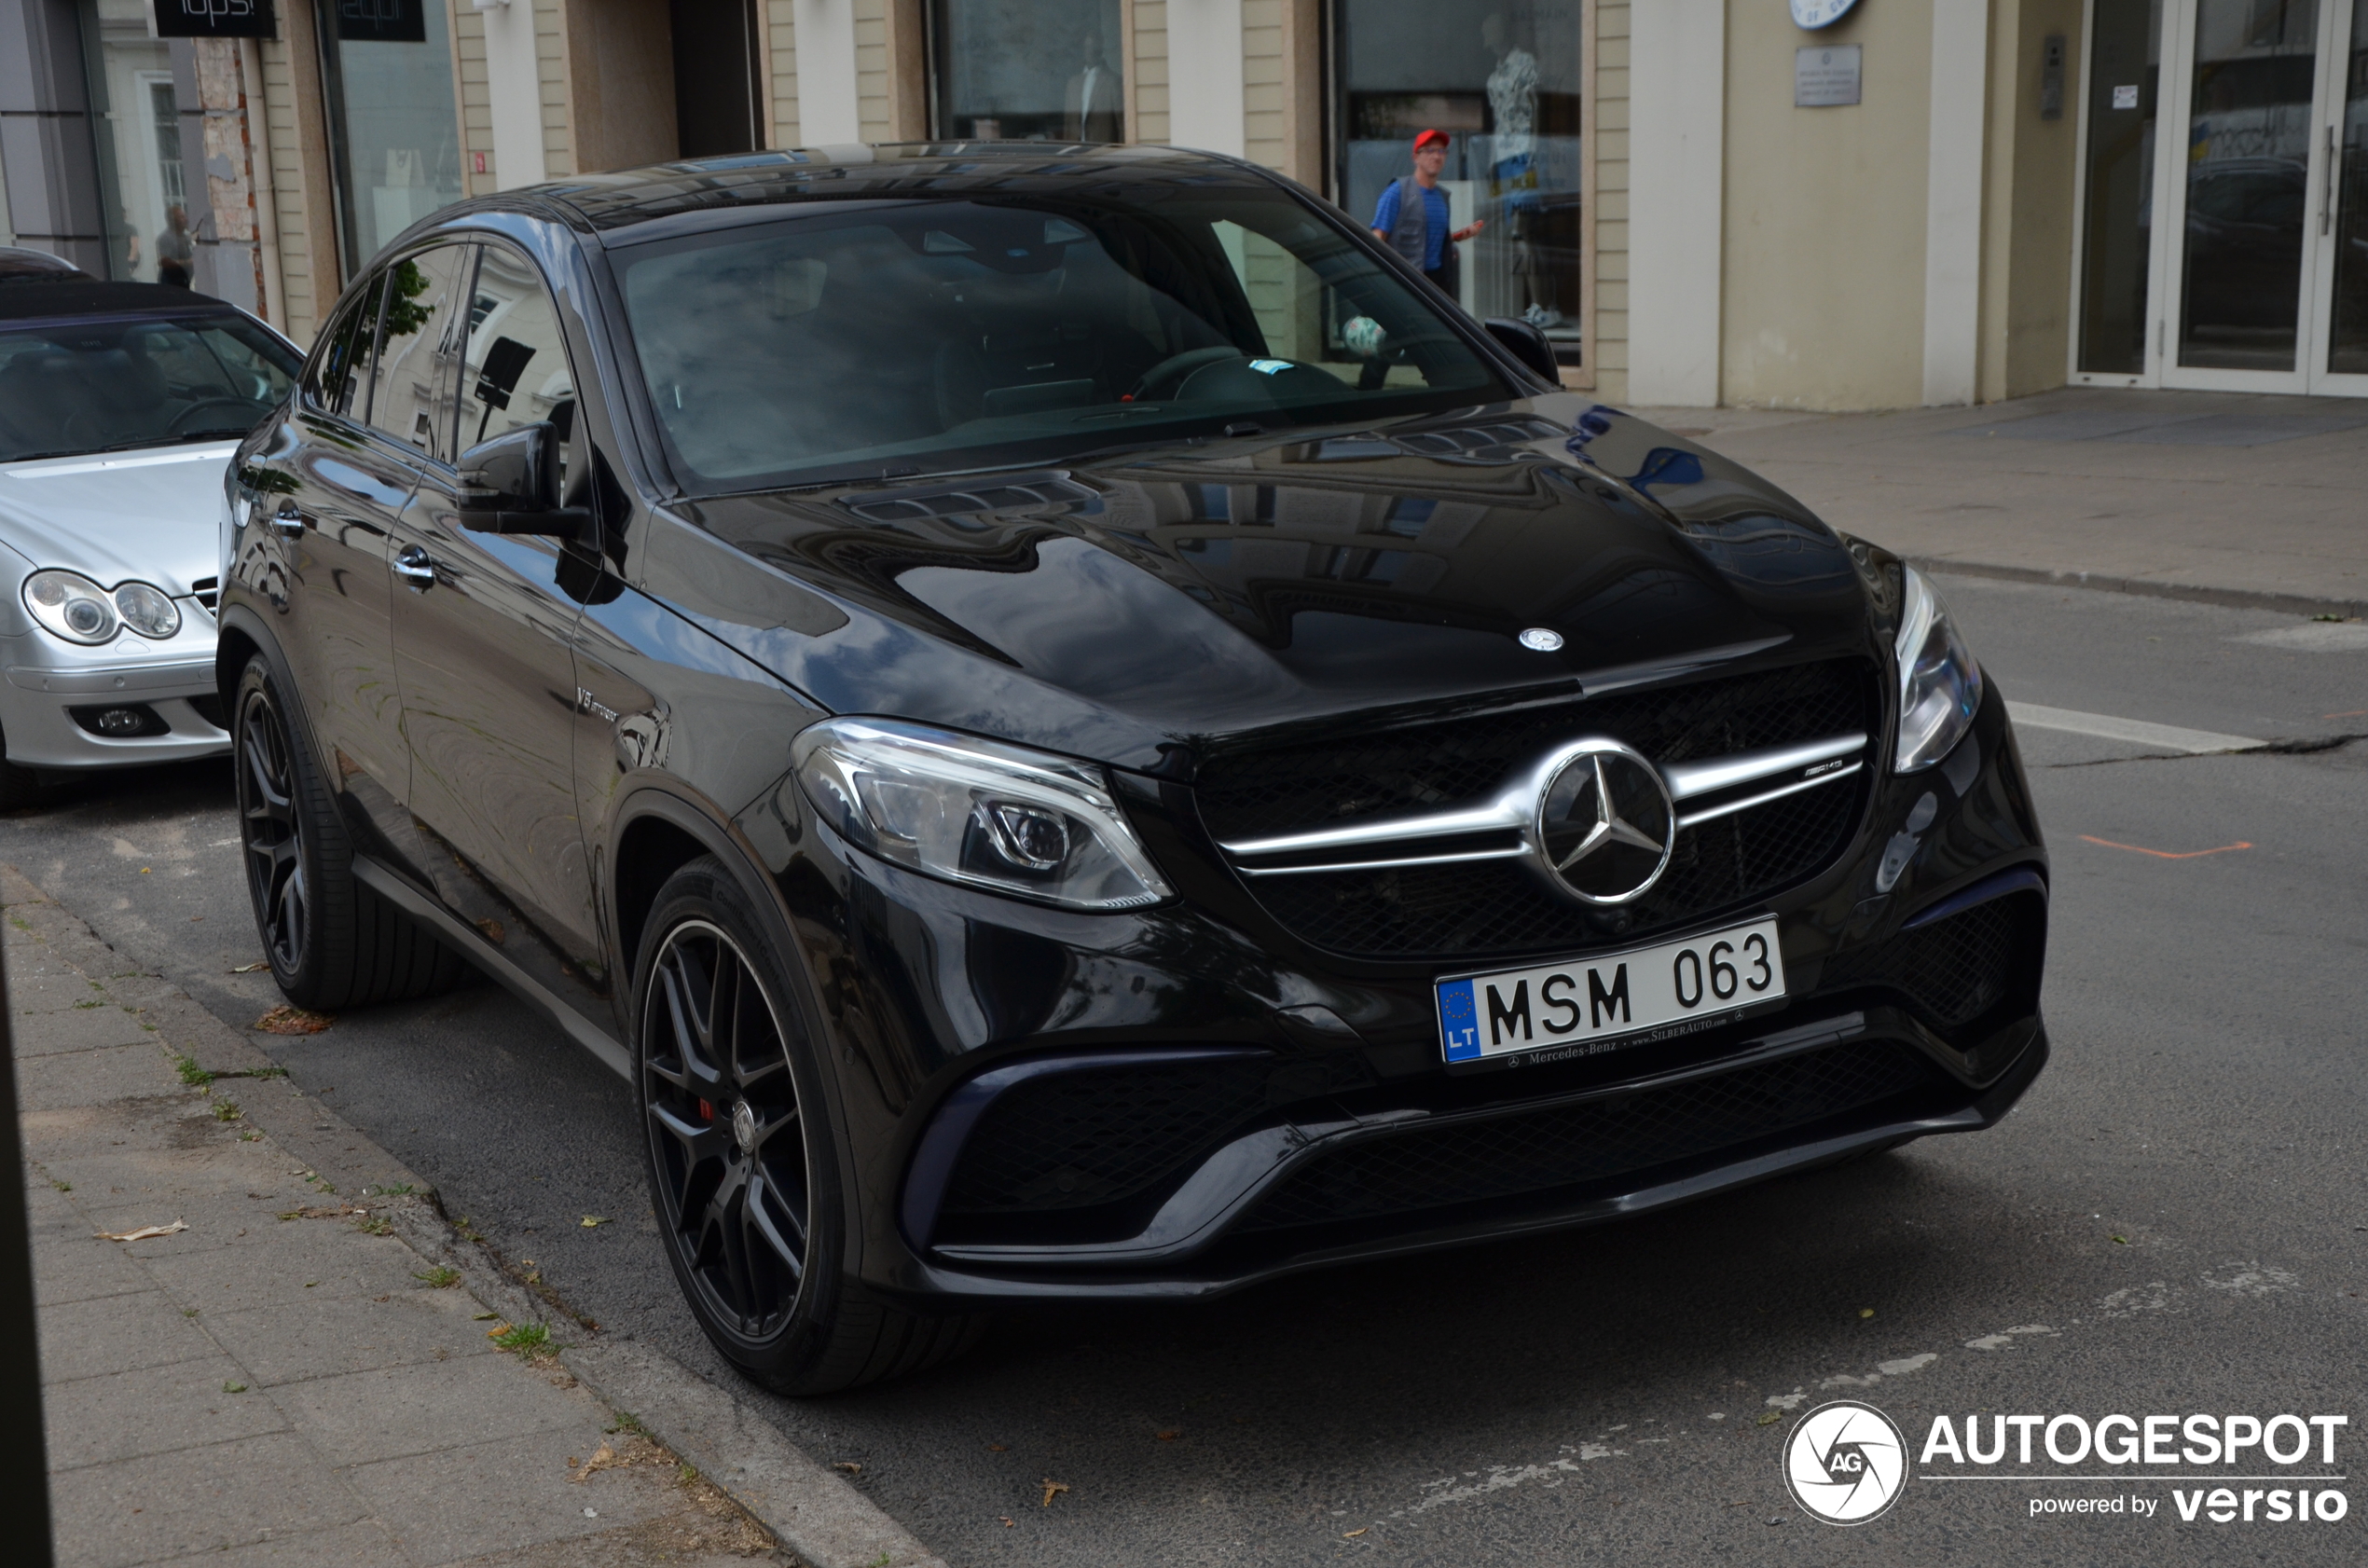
1846,1463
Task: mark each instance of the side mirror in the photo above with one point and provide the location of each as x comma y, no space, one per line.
1525,343
511,485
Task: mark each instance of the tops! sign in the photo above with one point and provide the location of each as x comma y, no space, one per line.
215,18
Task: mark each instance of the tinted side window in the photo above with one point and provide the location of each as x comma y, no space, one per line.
419,345
340,379
516,369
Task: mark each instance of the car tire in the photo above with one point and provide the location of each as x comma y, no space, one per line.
330,941
743,1157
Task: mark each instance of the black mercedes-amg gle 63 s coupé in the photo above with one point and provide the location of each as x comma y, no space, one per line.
1075,729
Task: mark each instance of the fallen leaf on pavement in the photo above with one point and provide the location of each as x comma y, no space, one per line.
1353,1535
593,1221
999,1447
339,1212
293,1021
1169,1436
1007,1522
144,1232
850,1466
1052,1487
251,969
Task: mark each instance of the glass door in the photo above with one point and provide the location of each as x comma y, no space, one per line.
2263,268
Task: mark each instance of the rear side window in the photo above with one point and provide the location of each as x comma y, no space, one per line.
339,378
426,322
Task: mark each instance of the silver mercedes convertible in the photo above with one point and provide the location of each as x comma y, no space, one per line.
120,405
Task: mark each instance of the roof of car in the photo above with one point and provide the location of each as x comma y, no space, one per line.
631,197
32,301
23,264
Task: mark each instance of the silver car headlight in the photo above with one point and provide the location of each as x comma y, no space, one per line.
72,606
977,812
1939,683
147,610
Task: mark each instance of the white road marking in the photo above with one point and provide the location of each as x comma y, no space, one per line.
2167,737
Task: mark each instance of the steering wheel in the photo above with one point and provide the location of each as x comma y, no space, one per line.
187,418
1166,379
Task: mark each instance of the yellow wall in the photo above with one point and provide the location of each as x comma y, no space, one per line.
1823,297
1608,351
2028,216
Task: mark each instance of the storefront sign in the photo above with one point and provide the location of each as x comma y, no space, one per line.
215,18
1826,77
382,22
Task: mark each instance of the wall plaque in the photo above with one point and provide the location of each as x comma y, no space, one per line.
1826,77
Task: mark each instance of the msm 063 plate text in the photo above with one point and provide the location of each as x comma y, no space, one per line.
1587,1004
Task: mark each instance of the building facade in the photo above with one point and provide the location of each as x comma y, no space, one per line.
1806,203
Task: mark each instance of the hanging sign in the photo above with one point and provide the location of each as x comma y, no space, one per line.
382,22
1815,14
214,18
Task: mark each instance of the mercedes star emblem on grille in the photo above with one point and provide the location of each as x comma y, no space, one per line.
1605,824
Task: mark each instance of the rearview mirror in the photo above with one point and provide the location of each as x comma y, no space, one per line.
1525,343
511,485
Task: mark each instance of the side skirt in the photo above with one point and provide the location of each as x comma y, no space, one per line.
456,934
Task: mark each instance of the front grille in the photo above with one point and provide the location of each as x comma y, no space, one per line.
1597,1141
1497,906
1073,1140
1956,969
205,591
1290,788
1469,909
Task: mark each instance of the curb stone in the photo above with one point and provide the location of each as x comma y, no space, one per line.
819,1517
2146,587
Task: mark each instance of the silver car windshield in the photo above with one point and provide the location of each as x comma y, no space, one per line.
76,386
925,336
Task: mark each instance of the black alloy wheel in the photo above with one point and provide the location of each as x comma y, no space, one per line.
744,1155
271,833
331,941
727,1142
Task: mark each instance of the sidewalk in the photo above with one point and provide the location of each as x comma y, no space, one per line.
2228,498
301,1371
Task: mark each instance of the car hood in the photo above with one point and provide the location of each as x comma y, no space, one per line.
150,515
1148,610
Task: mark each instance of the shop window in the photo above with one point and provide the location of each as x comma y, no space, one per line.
1027,70
135,121
1503,82
388,68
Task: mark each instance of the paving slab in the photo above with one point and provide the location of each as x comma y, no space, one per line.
2227,498
303,1374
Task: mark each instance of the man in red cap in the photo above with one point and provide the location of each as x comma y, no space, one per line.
1412,218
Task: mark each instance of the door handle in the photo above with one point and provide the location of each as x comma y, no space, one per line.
2327,205
416,570
288,521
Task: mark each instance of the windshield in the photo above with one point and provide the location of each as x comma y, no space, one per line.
944,335
71,387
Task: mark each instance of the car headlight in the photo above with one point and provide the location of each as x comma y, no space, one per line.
72,606
977,812
148,611
1939,683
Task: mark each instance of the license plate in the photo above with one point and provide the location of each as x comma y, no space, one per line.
1589,1004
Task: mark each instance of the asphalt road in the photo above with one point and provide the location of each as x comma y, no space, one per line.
2175,1221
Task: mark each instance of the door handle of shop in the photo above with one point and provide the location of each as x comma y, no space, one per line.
416,570
288,521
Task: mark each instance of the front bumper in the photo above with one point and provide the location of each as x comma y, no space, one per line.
46,680
1261,1108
